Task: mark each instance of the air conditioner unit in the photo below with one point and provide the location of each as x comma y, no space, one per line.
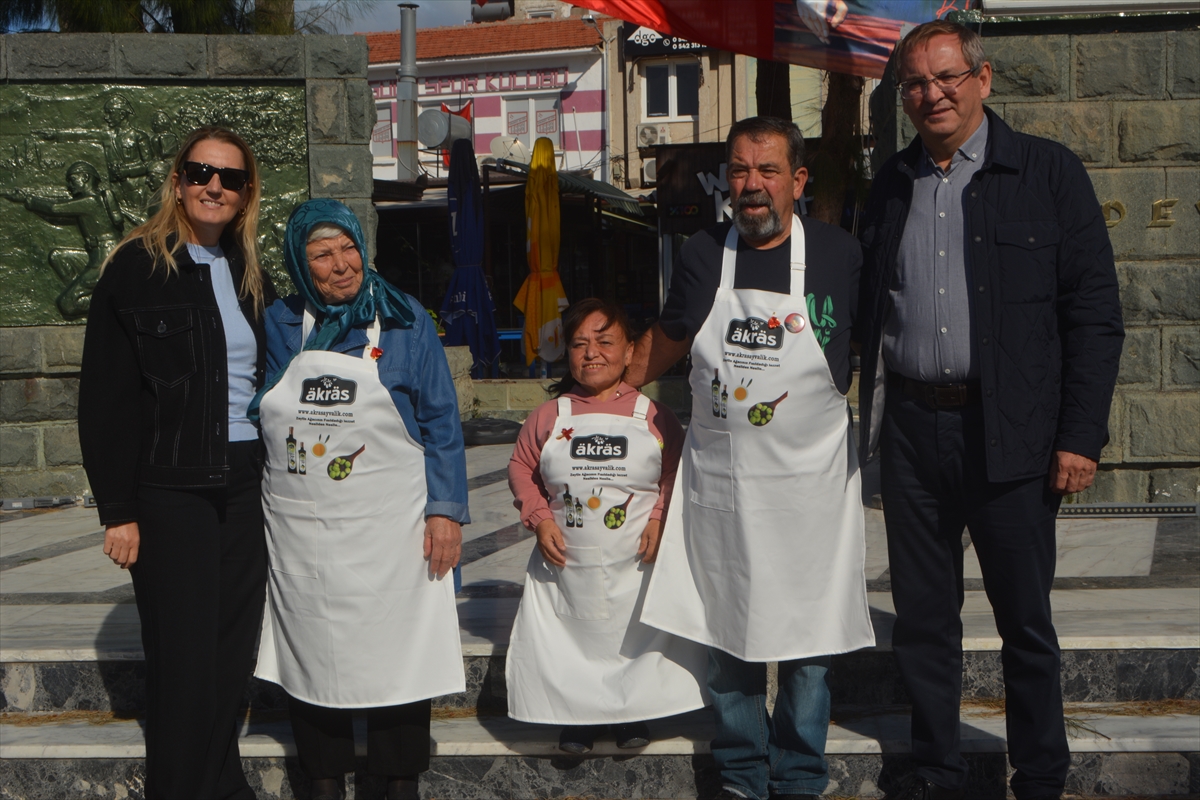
649,171
652,134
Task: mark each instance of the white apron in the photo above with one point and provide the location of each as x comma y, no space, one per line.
766,560
353,619
578,655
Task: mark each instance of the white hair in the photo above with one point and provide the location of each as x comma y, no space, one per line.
326,230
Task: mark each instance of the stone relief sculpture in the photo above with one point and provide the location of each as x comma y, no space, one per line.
163,145
120,142
127,152
95,211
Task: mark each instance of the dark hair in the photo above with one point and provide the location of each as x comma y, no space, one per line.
969,42
574,316
758,127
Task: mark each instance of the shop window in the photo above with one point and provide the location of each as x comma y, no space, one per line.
381,135
529,118
518,123
671,89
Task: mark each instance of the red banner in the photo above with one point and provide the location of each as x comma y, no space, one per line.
850,36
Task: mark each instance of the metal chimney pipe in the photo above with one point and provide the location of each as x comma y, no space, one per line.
406,95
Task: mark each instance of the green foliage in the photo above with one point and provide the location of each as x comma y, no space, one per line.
437,323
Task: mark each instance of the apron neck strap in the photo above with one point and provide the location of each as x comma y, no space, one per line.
564,407
729,257
642,407
310,321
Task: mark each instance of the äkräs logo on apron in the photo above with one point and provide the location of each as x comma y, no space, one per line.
754,333
599,447
328,390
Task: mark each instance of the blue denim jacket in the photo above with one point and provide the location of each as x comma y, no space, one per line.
414,370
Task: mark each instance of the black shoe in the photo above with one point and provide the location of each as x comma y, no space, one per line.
794,796
403,789
326,789
631,735
918,788
578,739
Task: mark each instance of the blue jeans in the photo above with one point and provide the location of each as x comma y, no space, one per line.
759,754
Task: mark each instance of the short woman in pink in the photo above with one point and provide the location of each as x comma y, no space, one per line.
592,474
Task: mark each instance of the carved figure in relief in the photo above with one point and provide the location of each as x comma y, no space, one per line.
164,144
128,153
95,210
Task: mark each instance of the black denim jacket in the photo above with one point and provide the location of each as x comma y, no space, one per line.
153,395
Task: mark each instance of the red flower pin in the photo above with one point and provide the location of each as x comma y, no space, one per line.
567,433
773,322
376,353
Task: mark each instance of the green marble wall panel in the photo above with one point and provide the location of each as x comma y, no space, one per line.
54,228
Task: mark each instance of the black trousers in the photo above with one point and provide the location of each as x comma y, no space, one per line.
200,583
397,739
934,482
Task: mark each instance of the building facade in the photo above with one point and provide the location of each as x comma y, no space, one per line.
513,82
666,90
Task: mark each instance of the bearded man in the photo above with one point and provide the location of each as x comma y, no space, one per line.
762,553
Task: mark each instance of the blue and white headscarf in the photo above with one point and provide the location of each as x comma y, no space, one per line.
376,297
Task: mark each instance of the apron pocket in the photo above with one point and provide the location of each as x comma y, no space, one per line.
291,535
711,475
581,593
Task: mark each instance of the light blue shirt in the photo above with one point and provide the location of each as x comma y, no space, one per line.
241,351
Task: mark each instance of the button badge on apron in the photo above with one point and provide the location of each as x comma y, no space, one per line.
794,323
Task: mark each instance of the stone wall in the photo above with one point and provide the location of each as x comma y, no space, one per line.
39,365
1128,104
460,361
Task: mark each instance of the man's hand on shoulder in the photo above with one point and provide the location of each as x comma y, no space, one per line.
1071,472
653,355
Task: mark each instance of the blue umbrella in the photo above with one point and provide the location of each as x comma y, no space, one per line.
468,313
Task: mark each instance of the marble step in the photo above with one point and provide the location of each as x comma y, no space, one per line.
1118,645
1118,750
866,677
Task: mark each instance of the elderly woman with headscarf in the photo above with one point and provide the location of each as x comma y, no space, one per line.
364,490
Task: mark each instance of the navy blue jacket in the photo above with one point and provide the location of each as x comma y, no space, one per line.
1047,311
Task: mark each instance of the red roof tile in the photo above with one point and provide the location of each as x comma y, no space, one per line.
485,39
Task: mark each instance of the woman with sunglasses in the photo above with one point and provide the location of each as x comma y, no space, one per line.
173,354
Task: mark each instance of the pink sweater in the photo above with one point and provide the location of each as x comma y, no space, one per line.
524,472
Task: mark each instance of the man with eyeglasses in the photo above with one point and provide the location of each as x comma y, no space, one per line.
991,334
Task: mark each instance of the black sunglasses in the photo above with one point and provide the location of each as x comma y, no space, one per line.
199,174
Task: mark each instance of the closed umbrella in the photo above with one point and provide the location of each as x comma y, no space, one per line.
541,298
468,313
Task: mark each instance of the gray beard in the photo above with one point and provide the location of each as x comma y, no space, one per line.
755,227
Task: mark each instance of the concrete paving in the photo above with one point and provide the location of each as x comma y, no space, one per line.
63,600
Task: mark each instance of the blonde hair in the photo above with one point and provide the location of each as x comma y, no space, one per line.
170,221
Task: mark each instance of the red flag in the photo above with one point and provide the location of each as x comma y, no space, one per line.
467,113
850,36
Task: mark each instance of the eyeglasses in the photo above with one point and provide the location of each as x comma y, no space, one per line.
199,174
946,84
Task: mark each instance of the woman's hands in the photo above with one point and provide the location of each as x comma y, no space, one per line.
648,546
121,543
550,542
443,544
554,549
